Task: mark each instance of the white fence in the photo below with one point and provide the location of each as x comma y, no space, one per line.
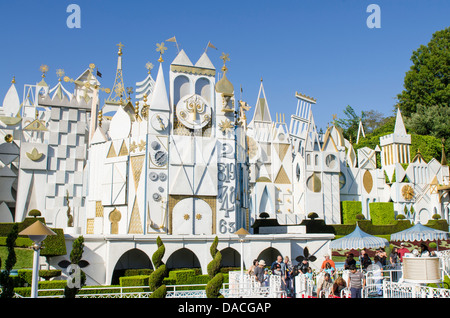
246,286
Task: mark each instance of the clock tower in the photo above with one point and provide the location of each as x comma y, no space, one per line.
192,186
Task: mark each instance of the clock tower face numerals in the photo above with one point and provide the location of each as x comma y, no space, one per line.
193,112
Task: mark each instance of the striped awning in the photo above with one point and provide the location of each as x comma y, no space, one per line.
419,232
358,239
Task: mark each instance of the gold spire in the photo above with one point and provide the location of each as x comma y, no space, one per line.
13,80
120,45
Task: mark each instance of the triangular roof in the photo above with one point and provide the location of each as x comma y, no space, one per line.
262,112
159,99
204,62
182,59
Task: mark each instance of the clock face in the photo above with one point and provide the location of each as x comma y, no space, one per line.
193,112
159,122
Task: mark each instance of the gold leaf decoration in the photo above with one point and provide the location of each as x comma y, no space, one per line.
34,155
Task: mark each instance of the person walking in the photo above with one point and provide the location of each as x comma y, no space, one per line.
259,272
356,282
394,263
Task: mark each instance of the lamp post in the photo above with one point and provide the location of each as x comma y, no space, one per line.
37,232
242,233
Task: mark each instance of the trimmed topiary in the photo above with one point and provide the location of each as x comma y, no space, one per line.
216,278
156,278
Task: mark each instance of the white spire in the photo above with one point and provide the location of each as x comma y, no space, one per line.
262,113
159,99
360,131
399,125
11,102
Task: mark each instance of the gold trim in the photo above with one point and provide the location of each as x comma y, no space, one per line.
192,70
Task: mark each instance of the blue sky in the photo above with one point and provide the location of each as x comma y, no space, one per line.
321,48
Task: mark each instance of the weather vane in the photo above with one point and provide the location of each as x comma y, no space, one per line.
60,73
225,58
149,67
160,48
43,69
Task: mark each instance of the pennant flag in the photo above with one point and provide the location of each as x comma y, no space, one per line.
173,39
99,74
211,45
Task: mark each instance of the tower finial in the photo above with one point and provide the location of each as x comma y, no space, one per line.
13,80
225,58
161,49
120,45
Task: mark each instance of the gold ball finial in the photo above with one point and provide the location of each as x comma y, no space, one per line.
120,45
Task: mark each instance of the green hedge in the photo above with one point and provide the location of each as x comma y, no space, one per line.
54,245
368,227
132,281
349,210
382,213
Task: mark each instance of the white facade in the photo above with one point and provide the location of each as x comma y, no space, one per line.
182,163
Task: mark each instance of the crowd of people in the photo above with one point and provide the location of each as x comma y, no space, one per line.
356,280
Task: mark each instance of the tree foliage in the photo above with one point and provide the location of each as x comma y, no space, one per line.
216,278
6,281
427,82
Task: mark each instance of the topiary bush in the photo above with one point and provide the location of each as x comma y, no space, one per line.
382,213
349,211
156,278
216,278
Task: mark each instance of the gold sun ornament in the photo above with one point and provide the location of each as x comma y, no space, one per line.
186,217
43,69
149,67
198,216
407,192
226,126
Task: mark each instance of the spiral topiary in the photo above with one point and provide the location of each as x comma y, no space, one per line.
216,278
156,278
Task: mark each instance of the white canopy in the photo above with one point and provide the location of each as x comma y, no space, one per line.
419,232
358,239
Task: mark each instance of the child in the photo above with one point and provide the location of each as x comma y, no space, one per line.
266,277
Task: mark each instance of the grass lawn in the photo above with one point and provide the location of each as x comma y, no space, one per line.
24,257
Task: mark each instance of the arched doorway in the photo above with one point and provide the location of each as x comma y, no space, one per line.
183,258
230,257
269,255
132,259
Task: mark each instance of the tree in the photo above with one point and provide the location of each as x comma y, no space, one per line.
216,278
75,258
156,278
428,80
6,281
350,124
432,121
